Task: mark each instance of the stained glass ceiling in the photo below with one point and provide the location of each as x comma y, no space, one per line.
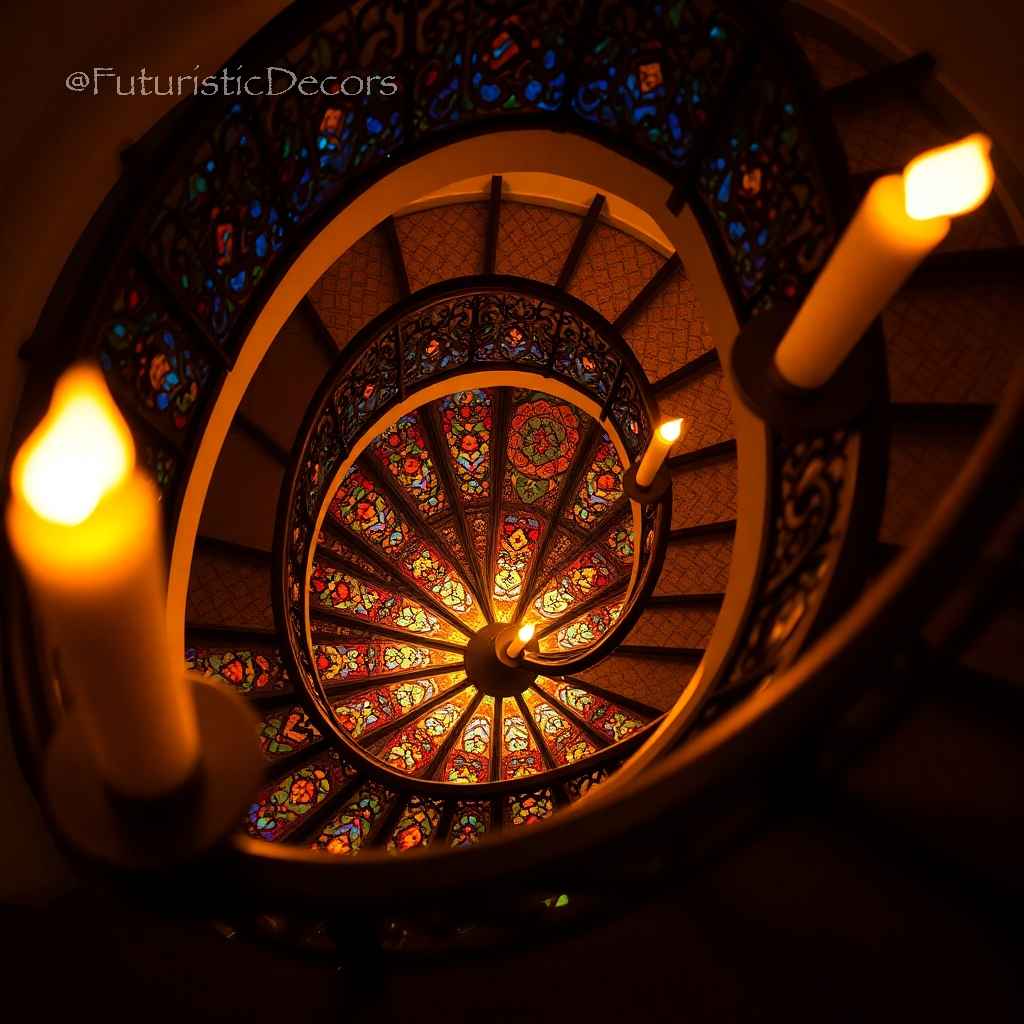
499,505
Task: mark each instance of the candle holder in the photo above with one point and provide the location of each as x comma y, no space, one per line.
794,411
109,829
660,486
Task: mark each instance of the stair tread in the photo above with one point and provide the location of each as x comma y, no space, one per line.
443,242
700,565
533,241
704,401
673,627
704,493
229,589
654,681
360,284
241,503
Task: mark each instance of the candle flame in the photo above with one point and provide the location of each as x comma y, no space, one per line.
81,450
525,633
670,430
949,180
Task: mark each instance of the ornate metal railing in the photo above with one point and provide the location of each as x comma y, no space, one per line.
485,324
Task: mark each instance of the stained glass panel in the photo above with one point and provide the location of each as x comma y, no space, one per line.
412,749
359,506
529,808
763,190
544,434
350,828
582,631
147,354
581,579
345,551
520,755
600,489
471,819
285,731
615,722
565,741
416,825
518,539
248,670
350,595
363,713
282,805
402,451
467,420
470,757
619,541
349,662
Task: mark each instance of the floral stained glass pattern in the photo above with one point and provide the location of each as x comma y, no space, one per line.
471,819
350,595
416,825
402,450
466,421
585,630
615,722
529,808
146,352
365,712
544,434
345,662
470,757
286,731
283,804
518,541
520,756
349,829
246,669
565,741
412,749
584,577
620,540
360,507
580,787
600,489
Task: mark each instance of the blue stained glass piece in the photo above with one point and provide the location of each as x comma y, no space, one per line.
549,60
532,90
209,166
374,126
261,246
237,282
490,93
255,208
723,192
119,330
717,32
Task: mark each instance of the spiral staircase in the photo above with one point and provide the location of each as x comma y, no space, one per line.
496,497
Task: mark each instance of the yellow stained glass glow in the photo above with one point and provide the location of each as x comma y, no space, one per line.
949,180
80,451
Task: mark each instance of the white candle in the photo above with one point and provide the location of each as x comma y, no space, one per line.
523,637
901,220
657,451
84,524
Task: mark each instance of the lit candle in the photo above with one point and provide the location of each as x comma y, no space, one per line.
84,524
523,637
902,219
664,437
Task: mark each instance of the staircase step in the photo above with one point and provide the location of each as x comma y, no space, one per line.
285,381
923,462
613,270
954,344
704,492
360,284
534,241
704,401
898,77
694,566
655,681
443,242
660,626
229,586
241,503
671,330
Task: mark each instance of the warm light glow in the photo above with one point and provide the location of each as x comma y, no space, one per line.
80,451
523,636
670,430
949,180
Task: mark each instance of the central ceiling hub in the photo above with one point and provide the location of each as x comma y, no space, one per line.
491,672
